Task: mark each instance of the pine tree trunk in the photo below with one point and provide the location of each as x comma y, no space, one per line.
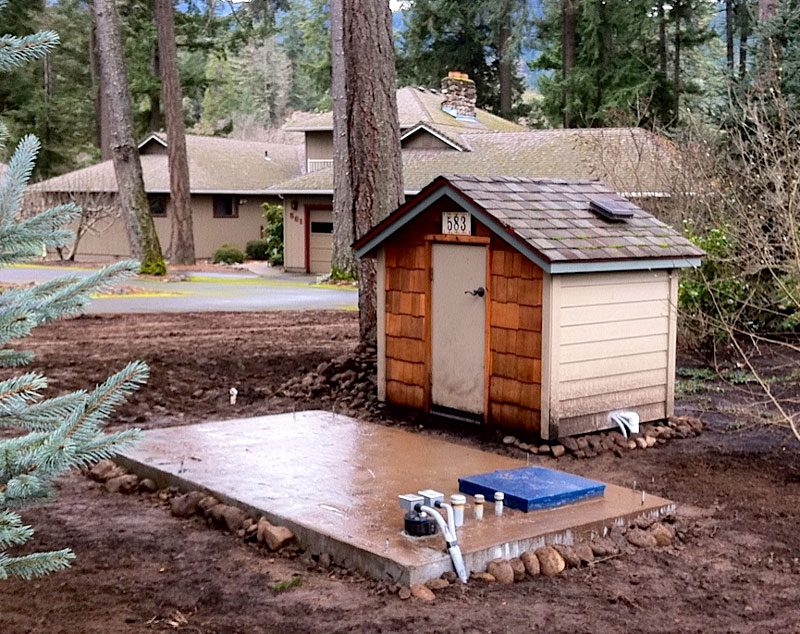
506,61
142,236
182,236
662,40
729,30
375,174
743,12
102,127
676,69
343,261
568,51
154,123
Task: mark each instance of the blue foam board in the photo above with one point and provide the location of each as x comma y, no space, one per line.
532,488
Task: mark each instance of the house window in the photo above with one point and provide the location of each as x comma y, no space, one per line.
225,207
158,205
321,227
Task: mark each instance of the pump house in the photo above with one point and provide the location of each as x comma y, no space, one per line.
535,305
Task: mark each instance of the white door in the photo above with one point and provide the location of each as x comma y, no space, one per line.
320,240
458,327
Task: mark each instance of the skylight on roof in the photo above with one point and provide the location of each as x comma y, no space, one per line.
612,209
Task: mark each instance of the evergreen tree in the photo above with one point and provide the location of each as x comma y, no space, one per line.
482,38
60,433
630,61
307,42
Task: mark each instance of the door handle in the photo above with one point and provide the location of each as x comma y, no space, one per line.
478,292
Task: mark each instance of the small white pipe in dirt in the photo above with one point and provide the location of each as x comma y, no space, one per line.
450,540
234,393
458,502
478,507
498,503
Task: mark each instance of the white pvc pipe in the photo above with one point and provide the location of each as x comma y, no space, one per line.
452,543
458,502
451,520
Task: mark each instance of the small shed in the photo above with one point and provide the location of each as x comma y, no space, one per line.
538,306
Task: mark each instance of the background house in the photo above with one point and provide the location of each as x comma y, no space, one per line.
443,132
228,181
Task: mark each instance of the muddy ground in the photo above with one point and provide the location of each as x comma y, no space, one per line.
139,569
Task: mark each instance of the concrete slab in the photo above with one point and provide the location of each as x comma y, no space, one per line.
334,481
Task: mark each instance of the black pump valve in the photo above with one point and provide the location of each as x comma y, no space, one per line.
419,524
478,292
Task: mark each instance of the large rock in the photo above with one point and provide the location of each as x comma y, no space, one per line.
501,570
482,576
207,503
603,547
518,567
437,584
185,505
531,562
584,552
105,470
662,534
423,593
571,558
122,484
275,537
551,562
640,538
227,517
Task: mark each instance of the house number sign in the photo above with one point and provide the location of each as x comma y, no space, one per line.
457,223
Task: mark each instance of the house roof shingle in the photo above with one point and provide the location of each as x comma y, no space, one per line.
633,161
553,218
216,165
415,105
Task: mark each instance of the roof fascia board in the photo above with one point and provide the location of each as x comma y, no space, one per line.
153,137
432,132
320,192
565,268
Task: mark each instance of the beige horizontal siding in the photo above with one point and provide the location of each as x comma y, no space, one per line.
613,347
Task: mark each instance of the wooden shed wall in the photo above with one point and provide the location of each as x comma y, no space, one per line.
514,325
613,347
515,340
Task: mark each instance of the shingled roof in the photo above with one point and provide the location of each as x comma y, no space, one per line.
216,166
551,221
633,161
415,105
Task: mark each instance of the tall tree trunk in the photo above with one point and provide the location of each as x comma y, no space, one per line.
375,175
568,51
343,261
729,31
154,120
604,46
676,65
142,235
101,118
182,236
743,12
506,61
662,39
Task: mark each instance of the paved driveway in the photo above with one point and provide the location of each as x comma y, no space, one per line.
238,291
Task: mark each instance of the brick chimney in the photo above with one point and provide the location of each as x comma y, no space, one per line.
459,96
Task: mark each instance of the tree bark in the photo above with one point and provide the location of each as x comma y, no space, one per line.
154,123
343,261
743,12
729,31
676,65
662,39
375,174
102,126
182,236
142,236
568,51
506,61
